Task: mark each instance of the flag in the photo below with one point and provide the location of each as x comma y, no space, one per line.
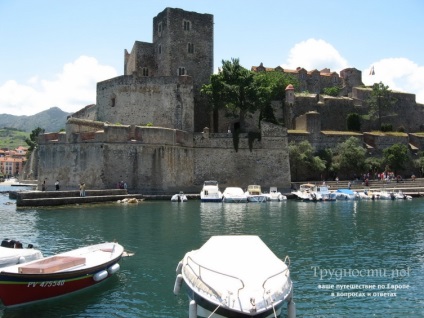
372,70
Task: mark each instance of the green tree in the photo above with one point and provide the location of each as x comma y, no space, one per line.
353,122
233,88
32,141
419,163
396,157
332,91
380,103
271,86
303,162
350,158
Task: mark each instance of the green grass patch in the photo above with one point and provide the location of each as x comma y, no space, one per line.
12,138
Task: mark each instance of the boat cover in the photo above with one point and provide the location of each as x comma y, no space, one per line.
345,191
238,262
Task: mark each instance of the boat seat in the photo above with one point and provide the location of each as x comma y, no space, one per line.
51,265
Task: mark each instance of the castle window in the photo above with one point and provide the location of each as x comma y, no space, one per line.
160,28
181,71
190,47
160,49
145,71
186,25
113,101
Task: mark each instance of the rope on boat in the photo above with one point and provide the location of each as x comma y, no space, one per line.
214,311
272,303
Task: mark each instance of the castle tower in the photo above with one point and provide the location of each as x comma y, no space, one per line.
289,103
183,45
351,78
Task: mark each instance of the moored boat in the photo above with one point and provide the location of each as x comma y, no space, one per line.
234,195
60,274
235,276
307,192
12,252
346,194
254,194
210,192
274,195
179,197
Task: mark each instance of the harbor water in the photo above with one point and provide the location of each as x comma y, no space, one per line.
347,258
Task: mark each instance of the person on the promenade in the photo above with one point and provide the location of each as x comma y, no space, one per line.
56,184
82,189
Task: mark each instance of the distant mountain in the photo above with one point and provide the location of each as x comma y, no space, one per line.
51,120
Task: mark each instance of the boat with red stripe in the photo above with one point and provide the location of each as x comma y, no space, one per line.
60,274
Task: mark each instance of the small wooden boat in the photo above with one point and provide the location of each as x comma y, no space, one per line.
235,276
60,274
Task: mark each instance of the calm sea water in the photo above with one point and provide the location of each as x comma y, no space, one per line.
370,247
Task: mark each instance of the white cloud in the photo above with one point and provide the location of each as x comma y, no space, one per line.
315,54
70,90
400,74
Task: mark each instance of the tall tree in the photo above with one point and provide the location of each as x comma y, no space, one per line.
381,102
350,158
303,162
233,88
271,86
396,156
32,141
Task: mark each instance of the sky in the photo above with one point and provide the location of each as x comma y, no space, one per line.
52,53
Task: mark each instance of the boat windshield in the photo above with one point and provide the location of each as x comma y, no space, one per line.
211,183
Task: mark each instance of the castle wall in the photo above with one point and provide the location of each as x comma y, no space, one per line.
157,160
265,162
161,101
334,112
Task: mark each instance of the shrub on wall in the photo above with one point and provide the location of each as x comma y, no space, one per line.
353,122
386,127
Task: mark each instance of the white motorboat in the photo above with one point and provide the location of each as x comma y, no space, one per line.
235,276
210,192
307,192
274,195
234,195
254,194
12,253
179,197
399,195
325,194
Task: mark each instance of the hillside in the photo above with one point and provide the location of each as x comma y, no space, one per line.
51,120
12,138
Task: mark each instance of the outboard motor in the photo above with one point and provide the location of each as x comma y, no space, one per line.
11,243
8,243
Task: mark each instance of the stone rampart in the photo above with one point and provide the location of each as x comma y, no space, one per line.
153,160
381,141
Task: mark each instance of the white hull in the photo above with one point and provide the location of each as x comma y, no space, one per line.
210,192
257,198
179,198
234,195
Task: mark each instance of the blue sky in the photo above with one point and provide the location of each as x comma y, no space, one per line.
52,53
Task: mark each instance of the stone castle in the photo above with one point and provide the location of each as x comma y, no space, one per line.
152,129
